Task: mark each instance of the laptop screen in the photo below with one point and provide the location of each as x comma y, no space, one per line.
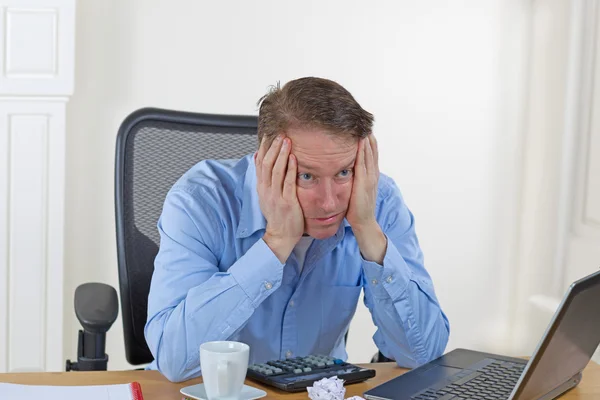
568,344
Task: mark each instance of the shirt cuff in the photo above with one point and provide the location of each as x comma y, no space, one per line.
258,272
389,279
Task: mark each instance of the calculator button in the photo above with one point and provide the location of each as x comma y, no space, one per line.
307,369
297,371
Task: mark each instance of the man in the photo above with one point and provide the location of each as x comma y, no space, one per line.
274,249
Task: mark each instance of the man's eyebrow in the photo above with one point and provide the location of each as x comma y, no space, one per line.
351,165
302,166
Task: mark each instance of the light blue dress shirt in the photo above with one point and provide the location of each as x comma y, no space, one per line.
216,279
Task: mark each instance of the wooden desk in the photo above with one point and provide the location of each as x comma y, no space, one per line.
155,386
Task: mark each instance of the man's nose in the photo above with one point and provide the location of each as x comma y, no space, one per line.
328,198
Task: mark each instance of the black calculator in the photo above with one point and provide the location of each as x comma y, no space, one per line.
296,374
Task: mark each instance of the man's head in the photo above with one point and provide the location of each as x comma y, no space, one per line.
324,123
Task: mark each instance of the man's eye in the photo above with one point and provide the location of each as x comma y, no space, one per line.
305,177
345,173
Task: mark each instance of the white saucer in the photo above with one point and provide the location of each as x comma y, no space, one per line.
198,392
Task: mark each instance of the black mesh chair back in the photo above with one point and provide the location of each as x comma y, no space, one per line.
154,148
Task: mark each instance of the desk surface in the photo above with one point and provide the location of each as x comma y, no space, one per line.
155,386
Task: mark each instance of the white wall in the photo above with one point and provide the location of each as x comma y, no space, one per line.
543,150
445,80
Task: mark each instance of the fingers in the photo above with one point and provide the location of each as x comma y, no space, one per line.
262,150
289,185
359,163
280,167
258,159
266,163
375,150
369,157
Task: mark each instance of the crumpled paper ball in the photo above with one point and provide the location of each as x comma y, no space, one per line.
329,389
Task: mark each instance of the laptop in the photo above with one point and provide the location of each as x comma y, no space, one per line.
555,367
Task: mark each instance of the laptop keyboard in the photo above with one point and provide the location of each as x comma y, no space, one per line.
490,380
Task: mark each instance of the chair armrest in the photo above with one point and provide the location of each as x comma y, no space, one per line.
96,306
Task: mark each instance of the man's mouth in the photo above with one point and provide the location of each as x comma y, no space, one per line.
327,219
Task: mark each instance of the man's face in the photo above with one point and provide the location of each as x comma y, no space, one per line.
325,177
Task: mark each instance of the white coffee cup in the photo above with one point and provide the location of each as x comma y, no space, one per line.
224,365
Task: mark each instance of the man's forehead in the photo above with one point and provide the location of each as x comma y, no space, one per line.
319,150
313,164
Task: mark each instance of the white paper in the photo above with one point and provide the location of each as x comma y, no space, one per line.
11,391
329,389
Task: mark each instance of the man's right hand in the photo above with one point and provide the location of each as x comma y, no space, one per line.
276,171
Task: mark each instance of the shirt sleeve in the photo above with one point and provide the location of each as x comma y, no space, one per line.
191,301
411,326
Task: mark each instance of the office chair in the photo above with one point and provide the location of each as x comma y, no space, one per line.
154,148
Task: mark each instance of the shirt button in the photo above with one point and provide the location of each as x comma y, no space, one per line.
292,303
374,282
389,279
268,285
288,354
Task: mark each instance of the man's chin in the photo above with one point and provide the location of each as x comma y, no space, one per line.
322,232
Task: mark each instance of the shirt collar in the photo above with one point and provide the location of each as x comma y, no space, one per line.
251,217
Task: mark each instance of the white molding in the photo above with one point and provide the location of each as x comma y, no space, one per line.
590,119
55,254
582,253
536,273
4,245
590,154
28,199
34,99
572,255
577,252
579,74
37,46
33,276
38,28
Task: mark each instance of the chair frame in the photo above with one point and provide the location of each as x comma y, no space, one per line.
135,352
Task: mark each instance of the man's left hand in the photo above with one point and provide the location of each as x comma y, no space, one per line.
361,210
